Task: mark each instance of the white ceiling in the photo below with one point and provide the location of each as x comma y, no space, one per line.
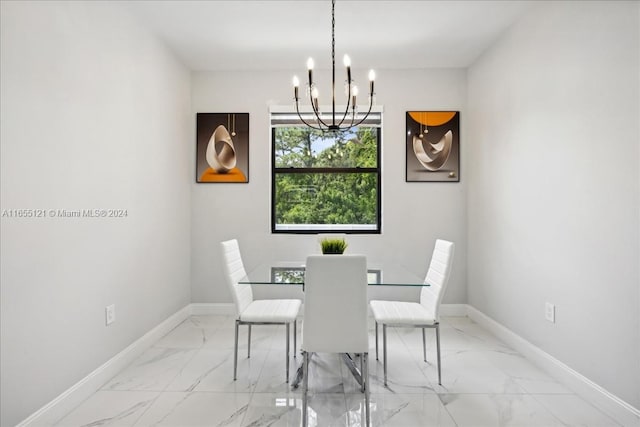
282,34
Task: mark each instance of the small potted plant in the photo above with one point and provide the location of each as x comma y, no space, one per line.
333,245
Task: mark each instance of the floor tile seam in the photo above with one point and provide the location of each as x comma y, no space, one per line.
202,329
218,325
260,373
346,405
446,409
182,368
289,393
193,325
135,389
374,394
602,413
417,391
417,360
548,410
126,391
513,377
463,393
187,395
482,353
206,392
193,349
160,389
151,402
418,370
547,393
146,409
248,405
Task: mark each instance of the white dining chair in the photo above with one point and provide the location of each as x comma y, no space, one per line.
335,314
255,312
424,314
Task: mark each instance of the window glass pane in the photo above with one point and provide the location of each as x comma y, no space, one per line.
302,147
312,201
287,274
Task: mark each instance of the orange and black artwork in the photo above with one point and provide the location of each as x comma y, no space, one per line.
433,146
222,147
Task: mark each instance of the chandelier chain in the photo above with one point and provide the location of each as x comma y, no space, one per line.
333,60
333,33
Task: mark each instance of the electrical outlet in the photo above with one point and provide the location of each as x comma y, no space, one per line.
550,312
110,314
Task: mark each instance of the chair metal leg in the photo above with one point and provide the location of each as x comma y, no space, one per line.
362,384
377,341
295,336
438,351
235,352
287,359
384,351
249,342
366,386
424,346
305,386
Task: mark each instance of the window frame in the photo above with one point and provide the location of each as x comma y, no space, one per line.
333,228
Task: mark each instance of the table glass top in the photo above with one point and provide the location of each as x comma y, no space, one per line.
292,273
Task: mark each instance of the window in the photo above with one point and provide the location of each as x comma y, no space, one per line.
325,182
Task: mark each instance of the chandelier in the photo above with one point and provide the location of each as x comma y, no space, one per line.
333,121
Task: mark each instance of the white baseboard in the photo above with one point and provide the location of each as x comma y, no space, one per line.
621,411
76,394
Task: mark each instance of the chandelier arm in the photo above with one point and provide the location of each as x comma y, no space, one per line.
304,121
353,117
346,111
344,116
366,115
316,111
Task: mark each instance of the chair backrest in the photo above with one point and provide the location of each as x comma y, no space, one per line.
335,304
234,270
437,277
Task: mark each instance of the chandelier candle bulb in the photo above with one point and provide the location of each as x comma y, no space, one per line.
296,83
372,78
347,63
310,68
314,96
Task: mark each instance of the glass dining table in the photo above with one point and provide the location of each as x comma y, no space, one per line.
291,273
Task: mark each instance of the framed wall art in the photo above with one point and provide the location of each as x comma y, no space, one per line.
433,146
222,147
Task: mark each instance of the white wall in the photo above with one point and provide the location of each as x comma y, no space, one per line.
554,186
414,214
95,115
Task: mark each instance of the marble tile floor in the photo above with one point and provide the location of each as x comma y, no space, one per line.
186,379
